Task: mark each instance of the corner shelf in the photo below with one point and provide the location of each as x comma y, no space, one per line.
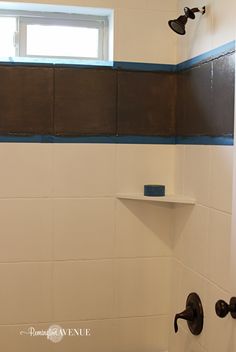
174,199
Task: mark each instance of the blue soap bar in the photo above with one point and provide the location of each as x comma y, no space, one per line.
154,190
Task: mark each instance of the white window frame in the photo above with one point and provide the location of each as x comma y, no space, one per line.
25,18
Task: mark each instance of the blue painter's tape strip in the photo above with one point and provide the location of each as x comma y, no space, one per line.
27,139
85,139
206,140
147,67
194,140
88,139
209,55
21,139
145,140
116,139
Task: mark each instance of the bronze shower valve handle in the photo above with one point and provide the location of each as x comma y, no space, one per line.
193,314
222,308
187,314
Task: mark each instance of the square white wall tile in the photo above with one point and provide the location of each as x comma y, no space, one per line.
175,289
219,248
184,342
195,240
197,173
193,282
100,339
138,165
26,293
26,170
221,178
143,229
140,334
219,332
179,168
142,286
181,215
84,228
26,230
15,338
190,237
84,170
83,290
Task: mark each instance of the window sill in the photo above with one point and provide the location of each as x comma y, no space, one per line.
52,61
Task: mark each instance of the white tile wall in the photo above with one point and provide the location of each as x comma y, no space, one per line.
26,294
26,170
179,169
140,334
184,342
143,230
11,338
197,179
83,255
219,331
195,240
84,228
83,290
101,337
142,287
221,178
72,254
219,248
139,275
26,230
83,170
144,164
202,244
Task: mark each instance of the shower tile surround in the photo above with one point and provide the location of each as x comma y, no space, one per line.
201,243
74,255
66,242
107,264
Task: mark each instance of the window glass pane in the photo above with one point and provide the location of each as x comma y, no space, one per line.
7,31
62,41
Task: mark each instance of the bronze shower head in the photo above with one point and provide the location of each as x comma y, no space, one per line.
178,25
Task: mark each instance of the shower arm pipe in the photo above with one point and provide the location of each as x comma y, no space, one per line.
202,10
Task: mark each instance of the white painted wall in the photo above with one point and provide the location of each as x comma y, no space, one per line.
207,32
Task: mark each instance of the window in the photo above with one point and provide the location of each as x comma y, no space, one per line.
53,35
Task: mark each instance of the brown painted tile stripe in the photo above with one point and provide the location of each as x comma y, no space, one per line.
106,102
